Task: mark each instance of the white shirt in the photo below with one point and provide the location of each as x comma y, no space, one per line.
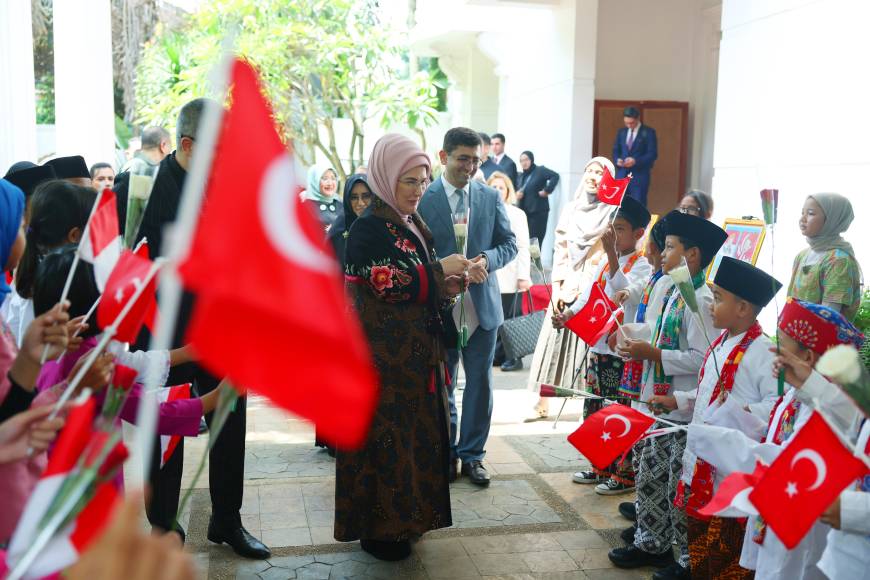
847,555
653,311
520,267
454,193
498,159
684,364
754,386
631,132
641,270
18,313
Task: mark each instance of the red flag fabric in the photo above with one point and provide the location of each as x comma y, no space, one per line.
595,319
168,443
143,251
131,272
732,498
102,244
609,433
611,190
270,305
805,479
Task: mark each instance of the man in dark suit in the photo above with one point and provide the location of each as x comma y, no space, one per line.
227,457
490,245
635,151
506,164
488,167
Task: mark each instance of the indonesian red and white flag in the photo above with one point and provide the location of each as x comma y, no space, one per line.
101,244
596,318
131,272
804,480
268,294
612,190
609,433
65,547
731,500
168,443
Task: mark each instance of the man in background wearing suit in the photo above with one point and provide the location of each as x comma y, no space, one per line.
490,245
488,166
505,164
635,151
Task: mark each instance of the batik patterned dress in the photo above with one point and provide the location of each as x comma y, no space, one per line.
396,487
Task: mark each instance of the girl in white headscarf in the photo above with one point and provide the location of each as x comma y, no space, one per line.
827,272
576,254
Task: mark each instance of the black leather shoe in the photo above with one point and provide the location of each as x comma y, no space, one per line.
387,551
454,470
628,510
627,535
476,472
514,364
673,572
239,539
634,557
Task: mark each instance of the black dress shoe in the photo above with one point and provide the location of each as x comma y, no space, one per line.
239,539
627,535
476,472
514,364
673,572
387,551
628,510
634,557
454,471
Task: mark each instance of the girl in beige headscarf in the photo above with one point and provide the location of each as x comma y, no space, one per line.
576,254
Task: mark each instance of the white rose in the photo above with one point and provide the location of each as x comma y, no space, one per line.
841,364
535,251
140,186
459,230
681,275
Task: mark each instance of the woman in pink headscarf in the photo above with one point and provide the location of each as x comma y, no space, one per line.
395,488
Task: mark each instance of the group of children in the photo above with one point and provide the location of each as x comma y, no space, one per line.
710,376
40,229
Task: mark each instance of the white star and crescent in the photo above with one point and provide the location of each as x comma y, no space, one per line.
815,458
626,423
791,489
278,213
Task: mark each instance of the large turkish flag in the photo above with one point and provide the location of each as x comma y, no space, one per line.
271,313
609,433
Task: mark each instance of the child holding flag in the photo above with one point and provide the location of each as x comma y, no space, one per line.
734,380
806,331
675,354
624,268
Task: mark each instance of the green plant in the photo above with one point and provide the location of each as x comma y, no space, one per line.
320,60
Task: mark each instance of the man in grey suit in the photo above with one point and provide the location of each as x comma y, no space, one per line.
491,244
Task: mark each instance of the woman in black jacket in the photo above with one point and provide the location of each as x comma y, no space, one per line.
536,183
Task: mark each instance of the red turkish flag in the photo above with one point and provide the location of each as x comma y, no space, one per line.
609,433
611,190
595,319
270,310
732,497
130,272
144,251
804,480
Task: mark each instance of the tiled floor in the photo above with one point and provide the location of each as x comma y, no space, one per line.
532,522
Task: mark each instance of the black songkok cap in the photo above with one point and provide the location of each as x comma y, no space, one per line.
631,112
633,212
18,166
69,167
746,281
707,235
28,179
657,233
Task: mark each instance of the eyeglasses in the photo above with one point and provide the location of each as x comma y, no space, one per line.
413,183
366,197
689,209
466,160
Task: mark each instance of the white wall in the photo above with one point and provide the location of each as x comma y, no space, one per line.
17,96
665,50
791,92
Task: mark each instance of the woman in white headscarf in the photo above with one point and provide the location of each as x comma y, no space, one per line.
577,251
827,272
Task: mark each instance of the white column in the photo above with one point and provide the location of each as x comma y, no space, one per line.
17,94
84,104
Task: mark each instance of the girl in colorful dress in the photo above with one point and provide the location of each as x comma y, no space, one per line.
827,272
